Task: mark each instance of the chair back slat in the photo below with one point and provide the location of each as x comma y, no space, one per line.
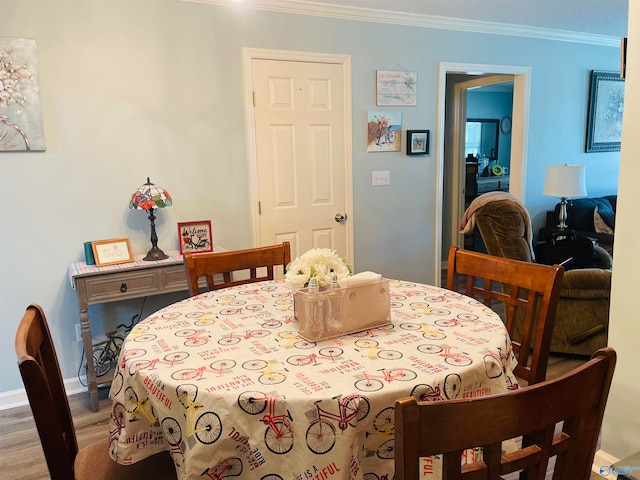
223,264
40,371
557,418
522,292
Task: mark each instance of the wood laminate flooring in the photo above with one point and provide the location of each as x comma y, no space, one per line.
22,456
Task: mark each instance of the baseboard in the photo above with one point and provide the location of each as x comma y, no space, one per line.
602,459
18,398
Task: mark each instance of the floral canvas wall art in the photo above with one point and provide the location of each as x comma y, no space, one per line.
21,126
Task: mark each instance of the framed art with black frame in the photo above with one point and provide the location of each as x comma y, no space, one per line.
606,106
417,142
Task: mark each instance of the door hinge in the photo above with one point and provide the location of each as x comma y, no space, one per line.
259,208
254,98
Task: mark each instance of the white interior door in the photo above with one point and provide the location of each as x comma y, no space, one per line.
303,163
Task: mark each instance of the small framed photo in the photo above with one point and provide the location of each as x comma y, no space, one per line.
604,122
417,142
195,237
112,252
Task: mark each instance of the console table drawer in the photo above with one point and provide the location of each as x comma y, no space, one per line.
174,278
121,286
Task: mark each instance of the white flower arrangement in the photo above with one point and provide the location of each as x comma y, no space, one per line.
317,262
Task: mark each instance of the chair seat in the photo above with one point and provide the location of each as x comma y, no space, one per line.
94,463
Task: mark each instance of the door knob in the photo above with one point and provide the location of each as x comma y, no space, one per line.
341,217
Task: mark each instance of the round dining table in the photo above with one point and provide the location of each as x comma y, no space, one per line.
226,384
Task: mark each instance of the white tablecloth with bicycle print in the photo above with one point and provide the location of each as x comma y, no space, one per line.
223,381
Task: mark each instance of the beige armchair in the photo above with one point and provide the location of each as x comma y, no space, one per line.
582,318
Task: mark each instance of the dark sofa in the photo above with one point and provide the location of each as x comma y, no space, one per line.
581,219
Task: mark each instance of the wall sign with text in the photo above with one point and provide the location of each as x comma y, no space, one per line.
195,237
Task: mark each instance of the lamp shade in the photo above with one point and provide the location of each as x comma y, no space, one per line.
149,196
565,181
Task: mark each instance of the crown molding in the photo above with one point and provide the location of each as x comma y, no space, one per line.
301,7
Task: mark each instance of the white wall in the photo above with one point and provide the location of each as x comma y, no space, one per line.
132,89
621,429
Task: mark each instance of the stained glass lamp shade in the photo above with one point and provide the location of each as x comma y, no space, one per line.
149,197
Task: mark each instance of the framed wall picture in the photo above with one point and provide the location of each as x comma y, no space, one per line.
399,88
21,125
417,142
112,251
195,237
623,57
606,105
384,131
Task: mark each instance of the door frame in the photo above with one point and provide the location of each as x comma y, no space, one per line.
519,136
248,55
460,90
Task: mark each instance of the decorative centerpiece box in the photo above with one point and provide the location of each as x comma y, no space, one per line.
331,313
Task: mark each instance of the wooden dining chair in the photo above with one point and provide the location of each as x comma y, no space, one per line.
209,265
527,294
43,383
447,428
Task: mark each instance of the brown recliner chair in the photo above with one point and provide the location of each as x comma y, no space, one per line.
582,318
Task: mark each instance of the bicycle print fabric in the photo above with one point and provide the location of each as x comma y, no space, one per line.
225,383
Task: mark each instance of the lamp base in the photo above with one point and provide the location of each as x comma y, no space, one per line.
562,217
155,254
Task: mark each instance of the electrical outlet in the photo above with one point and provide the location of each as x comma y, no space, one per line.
78,333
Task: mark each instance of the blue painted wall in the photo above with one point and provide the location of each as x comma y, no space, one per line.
493,105
154,88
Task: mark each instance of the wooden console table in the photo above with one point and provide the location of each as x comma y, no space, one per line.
113,283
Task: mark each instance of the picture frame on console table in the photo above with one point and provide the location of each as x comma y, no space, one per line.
112,252
195,237
604,121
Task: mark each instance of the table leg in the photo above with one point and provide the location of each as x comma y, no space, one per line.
88,351
87,342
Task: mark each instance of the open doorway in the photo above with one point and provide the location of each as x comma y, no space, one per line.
483,141
450,154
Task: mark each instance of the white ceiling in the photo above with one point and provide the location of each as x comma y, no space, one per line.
600,17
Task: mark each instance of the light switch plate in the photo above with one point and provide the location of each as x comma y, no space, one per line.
380,177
